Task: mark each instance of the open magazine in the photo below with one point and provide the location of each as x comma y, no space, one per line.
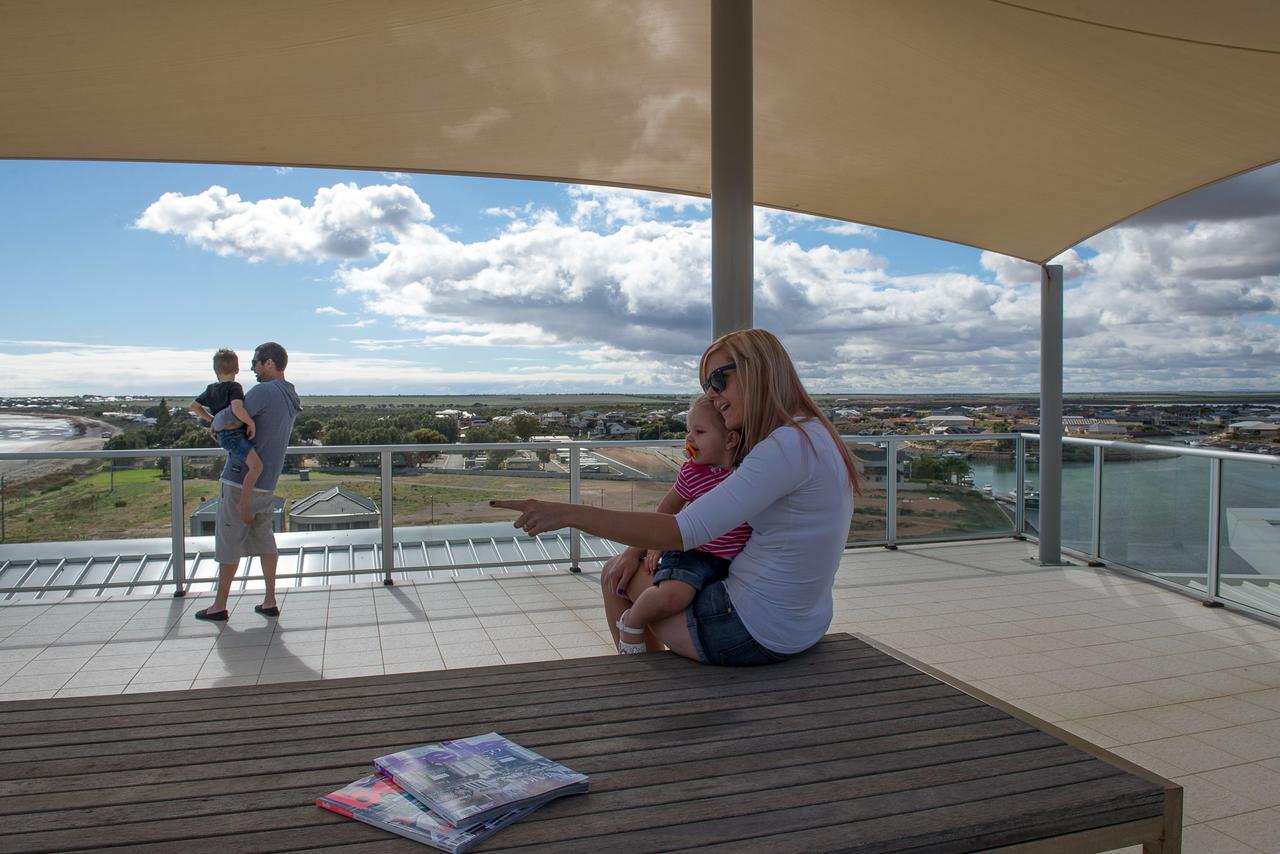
470,781
378,801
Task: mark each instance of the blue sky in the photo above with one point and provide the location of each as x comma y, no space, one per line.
123,278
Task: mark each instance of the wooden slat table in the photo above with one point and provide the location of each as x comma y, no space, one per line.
844,748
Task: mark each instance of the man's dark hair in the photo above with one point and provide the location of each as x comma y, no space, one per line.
273,351
225,361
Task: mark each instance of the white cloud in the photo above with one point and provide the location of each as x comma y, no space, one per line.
373,344
343,222
622,280
331,310
76,367
849,229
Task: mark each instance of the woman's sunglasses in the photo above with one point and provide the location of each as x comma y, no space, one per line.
716,380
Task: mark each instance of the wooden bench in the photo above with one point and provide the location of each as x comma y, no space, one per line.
844,748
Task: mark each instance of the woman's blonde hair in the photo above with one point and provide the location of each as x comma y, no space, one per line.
772,394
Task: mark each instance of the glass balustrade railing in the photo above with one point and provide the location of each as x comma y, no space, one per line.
1248,554
1207,521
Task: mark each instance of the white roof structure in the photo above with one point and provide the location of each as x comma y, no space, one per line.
1020,126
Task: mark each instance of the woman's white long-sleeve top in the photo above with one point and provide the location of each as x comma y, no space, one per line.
794,491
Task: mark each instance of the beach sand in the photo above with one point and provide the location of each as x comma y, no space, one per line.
91,435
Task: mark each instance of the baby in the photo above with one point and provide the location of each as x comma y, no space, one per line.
217,397
710,448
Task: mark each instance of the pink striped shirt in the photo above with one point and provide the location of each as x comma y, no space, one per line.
696,479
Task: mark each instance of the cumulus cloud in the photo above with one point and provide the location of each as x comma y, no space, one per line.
620,278
1252,195
343,222
848,229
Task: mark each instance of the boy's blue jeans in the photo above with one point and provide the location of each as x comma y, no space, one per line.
235,442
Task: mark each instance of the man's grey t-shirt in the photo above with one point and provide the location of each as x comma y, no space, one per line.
274,405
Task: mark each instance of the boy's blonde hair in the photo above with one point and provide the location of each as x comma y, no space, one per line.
226,361
772,394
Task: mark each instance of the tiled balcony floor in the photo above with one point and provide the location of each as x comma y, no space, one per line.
1188,692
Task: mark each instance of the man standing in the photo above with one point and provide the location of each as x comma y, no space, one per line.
273,405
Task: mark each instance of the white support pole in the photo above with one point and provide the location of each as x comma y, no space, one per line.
177,532
388,520
1050,516
732,230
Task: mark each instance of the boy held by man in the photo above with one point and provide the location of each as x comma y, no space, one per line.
226,392
711,449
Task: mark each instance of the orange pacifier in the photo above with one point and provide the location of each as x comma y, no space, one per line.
689,450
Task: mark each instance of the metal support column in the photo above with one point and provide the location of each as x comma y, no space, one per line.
1095,547
388,521
732,226
1020,492
1050,514
177,530
891,494
575,497
1215,534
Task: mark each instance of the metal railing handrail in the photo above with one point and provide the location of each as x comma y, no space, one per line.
892,444
1180,450
294,450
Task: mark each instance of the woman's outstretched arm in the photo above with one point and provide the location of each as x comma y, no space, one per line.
643,530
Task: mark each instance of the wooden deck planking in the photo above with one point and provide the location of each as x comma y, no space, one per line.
842,748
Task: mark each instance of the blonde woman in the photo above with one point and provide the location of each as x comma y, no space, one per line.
794,485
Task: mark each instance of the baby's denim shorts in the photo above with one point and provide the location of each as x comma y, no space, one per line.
718,634
235,443
695,568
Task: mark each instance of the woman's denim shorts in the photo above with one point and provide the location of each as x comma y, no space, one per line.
718,634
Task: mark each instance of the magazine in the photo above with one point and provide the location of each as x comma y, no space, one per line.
471,780
378,801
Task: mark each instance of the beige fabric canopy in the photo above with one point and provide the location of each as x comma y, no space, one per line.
1021,127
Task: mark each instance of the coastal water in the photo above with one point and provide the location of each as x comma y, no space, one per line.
26,432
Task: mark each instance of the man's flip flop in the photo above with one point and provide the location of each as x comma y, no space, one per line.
213,617
273,611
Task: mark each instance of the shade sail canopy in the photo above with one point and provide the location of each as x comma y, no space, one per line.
1021,127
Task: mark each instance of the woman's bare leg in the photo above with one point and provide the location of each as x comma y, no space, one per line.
674,633
614,604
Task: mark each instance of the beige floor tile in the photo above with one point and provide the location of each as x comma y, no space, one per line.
1254,781
1260,829
1129,727
173,673
153,687
223,681
452,651
1204,800
44,682
305,668
1181,718
70,690
418,666
357,644
49,666
1190,755
345,672
1203,839
1243,741
1233,710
